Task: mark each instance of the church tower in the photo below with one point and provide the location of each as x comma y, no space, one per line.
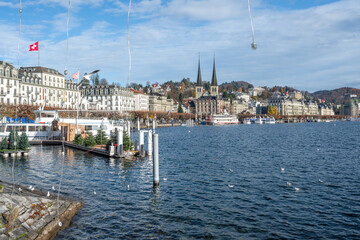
199,84
214,89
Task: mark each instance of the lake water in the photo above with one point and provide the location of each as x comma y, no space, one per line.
216,182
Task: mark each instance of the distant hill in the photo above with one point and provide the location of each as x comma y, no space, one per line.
336,96
235,85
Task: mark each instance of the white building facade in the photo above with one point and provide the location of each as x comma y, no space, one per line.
45,86
109,97
9,84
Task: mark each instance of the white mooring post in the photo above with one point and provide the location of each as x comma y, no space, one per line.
141,141
138,124
154,123
156,160
149,143
119,135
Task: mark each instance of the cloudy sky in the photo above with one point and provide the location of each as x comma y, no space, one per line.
308,44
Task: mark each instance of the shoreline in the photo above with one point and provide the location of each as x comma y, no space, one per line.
26,214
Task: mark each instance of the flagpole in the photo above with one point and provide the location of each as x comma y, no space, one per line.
38,56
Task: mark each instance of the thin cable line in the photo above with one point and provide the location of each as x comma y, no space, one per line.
128,35
67,38
253,44
20,11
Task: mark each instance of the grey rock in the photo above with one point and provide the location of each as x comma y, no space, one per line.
4,237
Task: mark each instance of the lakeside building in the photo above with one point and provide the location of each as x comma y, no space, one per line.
207,102
350,108
9,84
326,110
108,97
239,106
160,103
288,106
40,85
141,100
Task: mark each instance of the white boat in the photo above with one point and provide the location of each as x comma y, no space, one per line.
247,121
42,128
34,131
223,119
260,120
91,125
270,120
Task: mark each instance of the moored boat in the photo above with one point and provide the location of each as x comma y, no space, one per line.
223,119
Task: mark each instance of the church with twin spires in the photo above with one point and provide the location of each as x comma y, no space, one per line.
207,102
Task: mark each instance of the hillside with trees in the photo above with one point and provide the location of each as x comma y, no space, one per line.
337,96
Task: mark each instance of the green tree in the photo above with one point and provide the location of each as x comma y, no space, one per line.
24,142
180,109
13,137
79,140
225,94
89,141
4,144
101,138
127,143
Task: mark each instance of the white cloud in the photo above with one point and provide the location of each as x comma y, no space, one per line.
8,4
312,49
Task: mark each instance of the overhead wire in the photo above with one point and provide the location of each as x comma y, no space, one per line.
20,11
253,44
63,148
67,38
128,38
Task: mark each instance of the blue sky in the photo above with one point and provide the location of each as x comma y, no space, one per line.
308,44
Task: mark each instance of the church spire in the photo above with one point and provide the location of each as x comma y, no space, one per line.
199,80
214,79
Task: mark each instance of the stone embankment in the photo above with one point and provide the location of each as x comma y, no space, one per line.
26,214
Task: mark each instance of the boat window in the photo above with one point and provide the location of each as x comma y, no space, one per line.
41,128
9,128
31,128
22,128
88,127
47,115
2,128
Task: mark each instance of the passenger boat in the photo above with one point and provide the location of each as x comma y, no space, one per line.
223,119
260,120
42,128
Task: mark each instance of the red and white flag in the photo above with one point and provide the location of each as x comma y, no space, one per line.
34,47
75,75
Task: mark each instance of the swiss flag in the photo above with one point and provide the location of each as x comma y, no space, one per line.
75,75
34,47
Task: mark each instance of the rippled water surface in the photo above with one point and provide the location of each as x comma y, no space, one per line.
215,182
